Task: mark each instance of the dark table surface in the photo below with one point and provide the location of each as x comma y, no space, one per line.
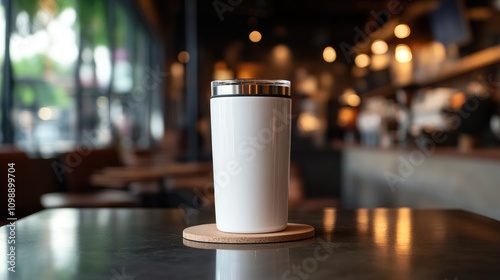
126,244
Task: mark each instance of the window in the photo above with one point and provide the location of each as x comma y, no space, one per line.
79,71
44,51
95,73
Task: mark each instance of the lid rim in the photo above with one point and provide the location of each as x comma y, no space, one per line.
254,87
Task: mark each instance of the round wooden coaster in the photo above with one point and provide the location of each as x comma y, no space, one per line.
247,247
210,234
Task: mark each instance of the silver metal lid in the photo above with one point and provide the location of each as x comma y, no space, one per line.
251,87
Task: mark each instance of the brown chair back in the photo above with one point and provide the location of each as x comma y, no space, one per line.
78,165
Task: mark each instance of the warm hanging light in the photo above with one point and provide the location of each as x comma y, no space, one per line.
329,54
349,97
346,117
380,61
362,60
281,54
255,36
353,100
402,30
379,47
403,53
183,57
308,122
177,70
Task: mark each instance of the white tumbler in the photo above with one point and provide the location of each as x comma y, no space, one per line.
251,125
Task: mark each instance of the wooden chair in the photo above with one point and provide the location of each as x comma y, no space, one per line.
74,169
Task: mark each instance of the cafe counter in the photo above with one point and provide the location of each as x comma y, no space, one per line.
422,177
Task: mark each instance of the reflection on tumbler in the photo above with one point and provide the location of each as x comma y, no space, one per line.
252,264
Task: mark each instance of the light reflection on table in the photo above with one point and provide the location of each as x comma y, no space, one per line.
349,244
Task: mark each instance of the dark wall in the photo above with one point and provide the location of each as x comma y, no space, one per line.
320,171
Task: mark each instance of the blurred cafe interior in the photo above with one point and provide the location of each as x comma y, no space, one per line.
396,103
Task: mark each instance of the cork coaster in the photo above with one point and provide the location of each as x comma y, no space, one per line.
210,234
247,247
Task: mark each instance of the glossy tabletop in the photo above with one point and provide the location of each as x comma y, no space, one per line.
349,244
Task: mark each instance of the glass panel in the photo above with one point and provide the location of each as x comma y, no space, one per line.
122,82
156,119
134,79
95,119
95,73
44,52
114,86
143,85
123,101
